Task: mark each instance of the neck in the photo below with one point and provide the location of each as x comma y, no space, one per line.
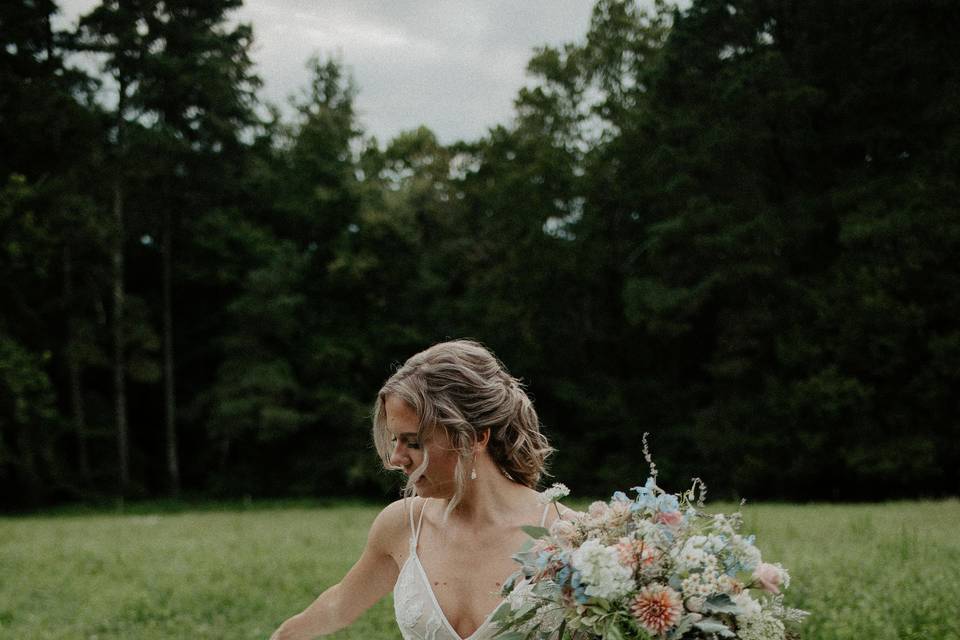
492,497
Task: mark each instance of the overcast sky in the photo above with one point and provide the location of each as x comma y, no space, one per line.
453,65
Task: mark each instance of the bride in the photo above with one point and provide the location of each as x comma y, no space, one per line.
467,437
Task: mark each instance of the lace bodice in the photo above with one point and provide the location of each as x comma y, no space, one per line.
419,615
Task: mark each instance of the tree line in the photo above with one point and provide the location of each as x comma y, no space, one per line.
732,225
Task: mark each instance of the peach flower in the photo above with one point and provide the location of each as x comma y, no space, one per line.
671,518
598,509
657,608
564,531
769,576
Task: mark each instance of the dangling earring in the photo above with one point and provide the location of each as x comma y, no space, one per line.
473,473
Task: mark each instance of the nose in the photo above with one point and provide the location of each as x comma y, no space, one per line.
399,457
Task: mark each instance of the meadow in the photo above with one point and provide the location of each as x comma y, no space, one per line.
868,571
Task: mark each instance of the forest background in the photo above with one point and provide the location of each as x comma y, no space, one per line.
733,226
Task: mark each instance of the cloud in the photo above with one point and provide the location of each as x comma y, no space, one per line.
452,65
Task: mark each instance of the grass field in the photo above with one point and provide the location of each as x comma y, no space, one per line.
878,572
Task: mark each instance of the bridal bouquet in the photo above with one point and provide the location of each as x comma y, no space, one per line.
651,566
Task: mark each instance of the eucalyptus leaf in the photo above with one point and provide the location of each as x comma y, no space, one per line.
686,622
720,603
501,613
526,608
712,625
535,532
509,583
613,632
546,589
524,618
602,604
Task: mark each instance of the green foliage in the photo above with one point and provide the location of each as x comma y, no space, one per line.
765,247
27,399
731,225
30,422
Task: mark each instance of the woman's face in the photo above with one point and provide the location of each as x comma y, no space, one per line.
437,480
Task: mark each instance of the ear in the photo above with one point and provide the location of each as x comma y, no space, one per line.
483,439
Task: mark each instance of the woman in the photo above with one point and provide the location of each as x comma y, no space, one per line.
468,439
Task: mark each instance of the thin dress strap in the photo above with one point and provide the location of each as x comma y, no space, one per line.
416,532
546,509
410,513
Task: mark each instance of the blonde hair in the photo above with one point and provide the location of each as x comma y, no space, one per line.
461,387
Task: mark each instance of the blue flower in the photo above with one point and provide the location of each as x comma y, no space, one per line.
731,566
668,502
646,499
620,496
646,489
579,588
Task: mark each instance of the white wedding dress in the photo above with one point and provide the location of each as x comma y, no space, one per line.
419,615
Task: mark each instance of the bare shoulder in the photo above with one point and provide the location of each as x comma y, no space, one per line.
390,528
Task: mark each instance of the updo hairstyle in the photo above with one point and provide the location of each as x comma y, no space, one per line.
462,388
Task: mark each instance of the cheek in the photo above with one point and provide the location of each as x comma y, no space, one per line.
442,461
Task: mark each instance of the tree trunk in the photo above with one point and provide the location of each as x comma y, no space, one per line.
119,385
77,412
173,470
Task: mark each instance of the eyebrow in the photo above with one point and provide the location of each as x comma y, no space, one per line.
404,433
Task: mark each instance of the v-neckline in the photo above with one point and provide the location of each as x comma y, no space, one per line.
415,542
436,603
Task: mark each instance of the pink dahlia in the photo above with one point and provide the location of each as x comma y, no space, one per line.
657,608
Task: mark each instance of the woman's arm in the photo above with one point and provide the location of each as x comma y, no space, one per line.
371,578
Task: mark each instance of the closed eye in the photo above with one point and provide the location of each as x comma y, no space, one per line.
411,444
